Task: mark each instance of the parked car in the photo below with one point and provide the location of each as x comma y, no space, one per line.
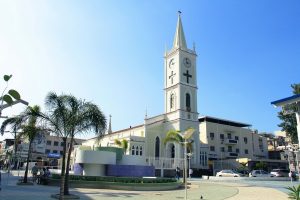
228,173
260,173
280,172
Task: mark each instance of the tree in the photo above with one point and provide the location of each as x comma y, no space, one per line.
67,117
11,97
83,117
16,124
29,131
122,144
294,192
260,165
176,137
289,123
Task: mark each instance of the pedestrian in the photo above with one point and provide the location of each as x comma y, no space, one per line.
177,171
34,171
40,176
190,172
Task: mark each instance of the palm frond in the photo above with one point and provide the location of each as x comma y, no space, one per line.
173,136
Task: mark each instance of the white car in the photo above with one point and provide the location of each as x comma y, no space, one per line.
228,173
260,173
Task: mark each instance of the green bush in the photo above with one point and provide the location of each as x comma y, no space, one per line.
294,192
117,179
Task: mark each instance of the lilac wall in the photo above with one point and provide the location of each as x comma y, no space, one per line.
130,170
78,169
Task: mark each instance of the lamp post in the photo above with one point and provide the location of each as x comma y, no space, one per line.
189,157
186,135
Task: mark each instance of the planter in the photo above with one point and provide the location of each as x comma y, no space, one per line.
119,186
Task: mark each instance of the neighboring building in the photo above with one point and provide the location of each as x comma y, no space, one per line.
45,147
230,140
54,144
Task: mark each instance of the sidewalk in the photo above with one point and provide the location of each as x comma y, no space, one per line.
208,190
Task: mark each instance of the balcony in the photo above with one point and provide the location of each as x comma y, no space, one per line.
230,141
231,155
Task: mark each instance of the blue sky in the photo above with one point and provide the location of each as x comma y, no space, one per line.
111,53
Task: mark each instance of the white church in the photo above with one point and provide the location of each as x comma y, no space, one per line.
146,141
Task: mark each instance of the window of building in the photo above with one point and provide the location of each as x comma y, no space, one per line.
61,152
229,135
132,150
62,144
173,151
222,149
222,136
188,101
237,150
229,148
212,136
236,137
137,150
157,147
47,151
54,151
245,140
172,101
49,142
141,150
246,151
212,148
55,143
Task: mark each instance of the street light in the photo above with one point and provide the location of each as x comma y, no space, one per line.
186,135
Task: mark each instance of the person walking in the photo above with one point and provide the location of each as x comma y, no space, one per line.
34,171
177,171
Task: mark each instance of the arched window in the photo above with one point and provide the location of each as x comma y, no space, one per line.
157,146
132,150
172,101
141,150
173,151
188,101
137,150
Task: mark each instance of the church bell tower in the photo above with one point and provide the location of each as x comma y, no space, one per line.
180,79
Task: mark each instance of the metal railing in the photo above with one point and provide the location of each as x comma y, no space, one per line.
165,163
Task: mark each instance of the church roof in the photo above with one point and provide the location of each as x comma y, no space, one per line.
222,121
179,39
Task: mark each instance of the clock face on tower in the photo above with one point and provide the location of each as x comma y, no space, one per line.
171,63
187,62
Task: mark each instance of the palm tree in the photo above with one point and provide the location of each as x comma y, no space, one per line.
67,117
30,130
15,124
83,117
294,192
176,137
122,144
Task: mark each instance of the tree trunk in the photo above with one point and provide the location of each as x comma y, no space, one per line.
66,188
15,151
63,169
27,163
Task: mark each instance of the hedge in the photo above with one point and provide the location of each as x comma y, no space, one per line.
117,179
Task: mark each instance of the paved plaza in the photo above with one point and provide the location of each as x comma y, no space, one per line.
210,190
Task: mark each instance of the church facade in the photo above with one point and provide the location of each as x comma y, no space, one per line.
146,141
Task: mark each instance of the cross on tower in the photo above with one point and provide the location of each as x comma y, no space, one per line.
187,76
172,76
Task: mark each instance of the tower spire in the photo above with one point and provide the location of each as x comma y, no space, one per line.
109,131
179,39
